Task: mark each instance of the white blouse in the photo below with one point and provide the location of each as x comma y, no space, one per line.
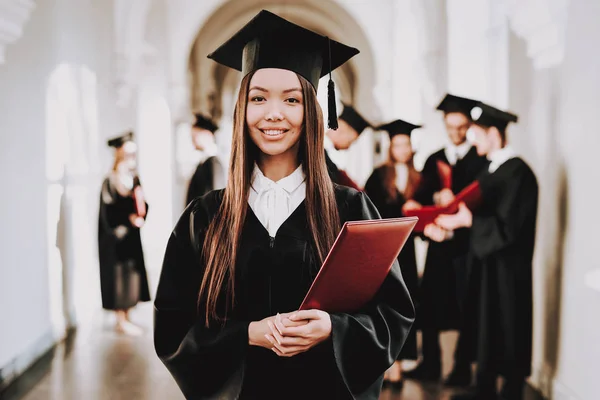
274,202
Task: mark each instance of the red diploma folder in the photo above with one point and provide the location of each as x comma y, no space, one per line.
445,173
471,196
357,264
140,202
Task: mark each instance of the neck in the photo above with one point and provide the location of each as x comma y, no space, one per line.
278,167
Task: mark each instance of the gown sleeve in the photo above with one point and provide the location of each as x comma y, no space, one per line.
492,232
205,362
366,343
429,183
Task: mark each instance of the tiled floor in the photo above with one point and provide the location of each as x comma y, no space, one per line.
97,364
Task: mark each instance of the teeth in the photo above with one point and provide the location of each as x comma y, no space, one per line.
272,132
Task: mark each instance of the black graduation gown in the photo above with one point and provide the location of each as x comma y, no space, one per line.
407,258
202,181
272,276
123,278
444,278
502,244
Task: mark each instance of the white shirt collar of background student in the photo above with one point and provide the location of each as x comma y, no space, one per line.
273,202
499,157
455,153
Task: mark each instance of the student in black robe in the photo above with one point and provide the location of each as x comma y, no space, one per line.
443,279
210,173
123,278
501,254
351,125
240,260
389,186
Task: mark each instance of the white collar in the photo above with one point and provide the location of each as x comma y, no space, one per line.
289,183
210,150
455,153
499,157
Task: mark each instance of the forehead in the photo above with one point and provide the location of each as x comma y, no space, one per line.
275,79
456,118
401,139
129,147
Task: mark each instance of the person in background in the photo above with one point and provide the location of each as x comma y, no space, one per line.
241,260
123,210
351,125
210,173
501,248
442,285
389,186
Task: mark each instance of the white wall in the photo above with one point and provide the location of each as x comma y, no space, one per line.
60,32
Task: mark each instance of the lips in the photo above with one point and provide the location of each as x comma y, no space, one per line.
273,132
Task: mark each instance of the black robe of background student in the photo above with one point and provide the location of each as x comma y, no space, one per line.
202,181
123,278
444,275
502,245
272,276
377,192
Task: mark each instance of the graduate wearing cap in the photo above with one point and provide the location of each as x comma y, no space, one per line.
442,284
123,278
501,256
350,125
241,260
389,186
210,173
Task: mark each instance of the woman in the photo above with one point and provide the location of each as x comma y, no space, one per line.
240,260
123,279
390,186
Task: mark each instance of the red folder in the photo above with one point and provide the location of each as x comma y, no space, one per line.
140,202
357,264
471,196
445,173
345,180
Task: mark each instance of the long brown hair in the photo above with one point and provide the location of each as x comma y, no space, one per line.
225,230
389,178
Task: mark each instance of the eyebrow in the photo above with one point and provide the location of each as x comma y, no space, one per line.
266,91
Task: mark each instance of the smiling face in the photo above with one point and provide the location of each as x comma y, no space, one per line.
275,113
457,125
401,149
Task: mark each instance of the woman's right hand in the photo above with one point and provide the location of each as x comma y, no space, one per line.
411,205
259,331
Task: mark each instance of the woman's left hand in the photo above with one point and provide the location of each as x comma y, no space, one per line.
289,341
136,220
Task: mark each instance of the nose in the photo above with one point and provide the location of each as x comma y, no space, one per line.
274,112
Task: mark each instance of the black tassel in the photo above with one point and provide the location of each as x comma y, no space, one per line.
332,122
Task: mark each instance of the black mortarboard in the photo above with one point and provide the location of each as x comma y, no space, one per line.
452,103
120,140
269,41
486,115
353,118
203,122
398,127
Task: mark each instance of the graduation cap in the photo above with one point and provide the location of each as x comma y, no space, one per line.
203,122
269,41
353,118
118,141
486,115
451,103
398,127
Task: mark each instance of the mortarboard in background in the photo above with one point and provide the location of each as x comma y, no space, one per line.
451,103
269,41
354,119
398,127
486,115
203,122
118,141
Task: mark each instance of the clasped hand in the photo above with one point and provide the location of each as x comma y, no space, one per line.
291,333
